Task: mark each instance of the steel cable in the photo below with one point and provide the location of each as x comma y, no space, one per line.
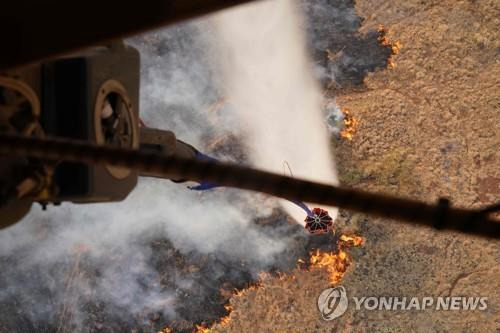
440,216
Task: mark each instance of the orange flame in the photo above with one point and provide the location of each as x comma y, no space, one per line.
356,240
336,264
222,321
226,319
202,329
166,330
244,291
350,125
395,46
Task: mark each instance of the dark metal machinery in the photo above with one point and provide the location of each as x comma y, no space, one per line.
42,29
441,216
89,101
90,96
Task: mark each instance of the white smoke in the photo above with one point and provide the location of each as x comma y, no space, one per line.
268,80
277,106
176,86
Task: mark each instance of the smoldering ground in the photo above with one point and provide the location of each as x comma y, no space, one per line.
165,256
342,55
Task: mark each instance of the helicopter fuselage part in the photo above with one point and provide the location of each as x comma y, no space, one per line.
38,30
91,96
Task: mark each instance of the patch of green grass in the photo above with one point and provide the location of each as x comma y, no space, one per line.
350,177
393,168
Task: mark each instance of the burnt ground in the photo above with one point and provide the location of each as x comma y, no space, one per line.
429,128
213,278
343,54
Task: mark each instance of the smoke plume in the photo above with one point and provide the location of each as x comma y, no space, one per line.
162,256
268,81
110,267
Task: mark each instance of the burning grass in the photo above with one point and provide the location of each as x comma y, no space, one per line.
350,125
335,263
222,321
394,46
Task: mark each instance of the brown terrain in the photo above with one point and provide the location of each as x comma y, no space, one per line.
428,128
